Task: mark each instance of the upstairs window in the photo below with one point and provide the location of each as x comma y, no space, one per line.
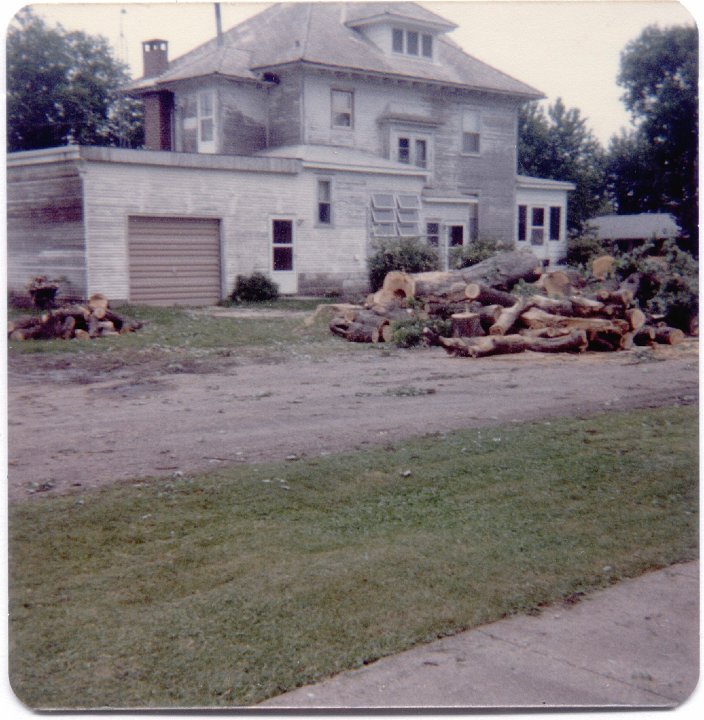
412,150
427,45
471,132
412,42
342,106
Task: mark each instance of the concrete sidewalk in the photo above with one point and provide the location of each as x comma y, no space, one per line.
635,644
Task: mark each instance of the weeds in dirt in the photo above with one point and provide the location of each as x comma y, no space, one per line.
226,588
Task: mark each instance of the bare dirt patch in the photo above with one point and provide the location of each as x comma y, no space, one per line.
79,423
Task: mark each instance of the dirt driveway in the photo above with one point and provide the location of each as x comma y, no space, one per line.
70,434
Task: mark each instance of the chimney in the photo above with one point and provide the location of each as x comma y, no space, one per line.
155,54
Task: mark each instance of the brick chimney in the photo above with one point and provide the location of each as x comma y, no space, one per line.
155,54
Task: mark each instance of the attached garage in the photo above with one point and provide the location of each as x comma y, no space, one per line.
174,261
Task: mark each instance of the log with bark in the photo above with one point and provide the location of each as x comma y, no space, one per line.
91,320
575,341
565,312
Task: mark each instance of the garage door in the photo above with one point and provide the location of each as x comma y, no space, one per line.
174,261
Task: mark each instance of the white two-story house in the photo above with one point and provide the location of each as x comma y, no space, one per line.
290,145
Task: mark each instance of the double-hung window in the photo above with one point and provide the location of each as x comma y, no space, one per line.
537,225
471,132
432,233
342,108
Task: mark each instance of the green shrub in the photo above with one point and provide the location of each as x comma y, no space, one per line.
474,252
409,333
256,287
581,250
410,255
669,280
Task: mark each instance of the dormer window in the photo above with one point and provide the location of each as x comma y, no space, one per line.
412,42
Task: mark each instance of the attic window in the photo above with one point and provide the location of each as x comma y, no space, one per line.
412,42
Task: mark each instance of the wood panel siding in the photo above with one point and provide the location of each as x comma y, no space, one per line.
174,261
45,227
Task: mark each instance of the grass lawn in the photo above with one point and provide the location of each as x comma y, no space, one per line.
192,330
226,588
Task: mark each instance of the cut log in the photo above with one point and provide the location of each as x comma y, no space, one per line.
536,318
504,270
623,296
665,335
98,300
508,317
555,283
576,341
439,286
399,284
488,315
488,296
467,324
636,318
585,307
553,305
631,284
644,336
603,266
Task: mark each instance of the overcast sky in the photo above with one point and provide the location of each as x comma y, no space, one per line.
565,48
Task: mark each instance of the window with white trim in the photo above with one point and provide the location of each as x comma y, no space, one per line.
537,225
432,233
471,132
395,215
324,202
206,121
412,42
342,105
412,149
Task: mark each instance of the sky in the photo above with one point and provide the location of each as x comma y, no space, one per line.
564,48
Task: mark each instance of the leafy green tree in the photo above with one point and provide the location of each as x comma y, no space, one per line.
557,144
63,87
655,166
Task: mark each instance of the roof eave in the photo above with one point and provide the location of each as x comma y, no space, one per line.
526,96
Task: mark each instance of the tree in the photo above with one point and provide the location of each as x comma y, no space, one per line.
63,87
558,145
654,167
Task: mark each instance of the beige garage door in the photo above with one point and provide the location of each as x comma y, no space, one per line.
174,261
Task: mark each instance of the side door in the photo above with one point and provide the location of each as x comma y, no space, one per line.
283,256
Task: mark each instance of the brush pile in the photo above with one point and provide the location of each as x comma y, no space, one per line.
94,319
508,304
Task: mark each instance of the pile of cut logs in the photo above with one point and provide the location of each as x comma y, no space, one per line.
554,311
94,319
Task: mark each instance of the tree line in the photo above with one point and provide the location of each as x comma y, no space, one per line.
65,87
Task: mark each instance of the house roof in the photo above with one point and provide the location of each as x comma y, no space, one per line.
526,182
323,34
334,157
635,227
